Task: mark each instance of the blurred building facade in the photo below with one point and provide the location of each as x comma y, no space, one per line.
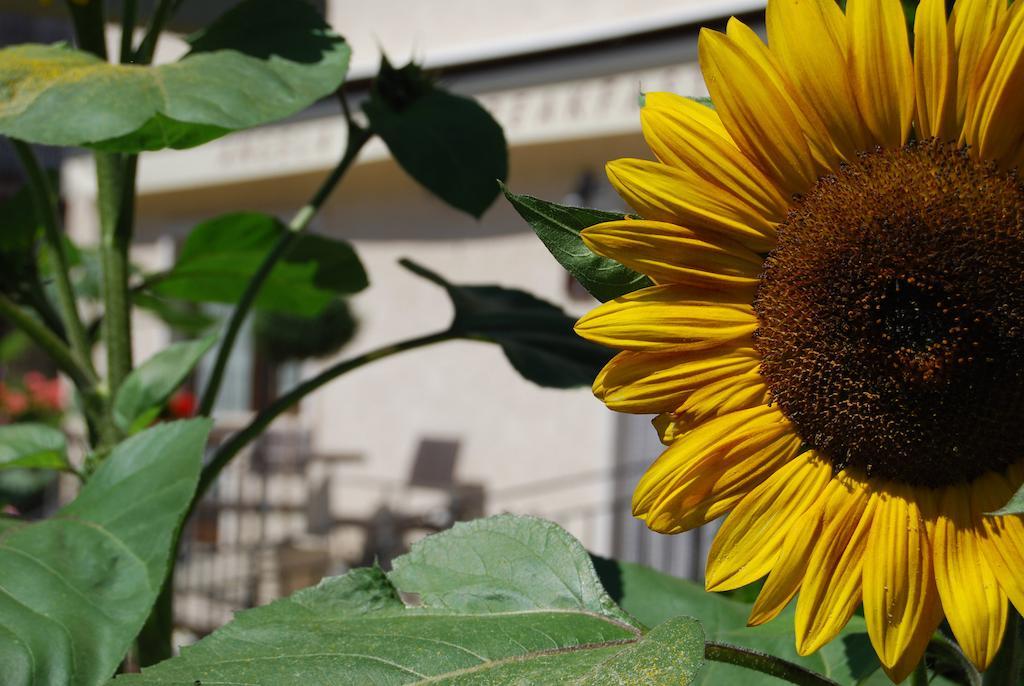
405,445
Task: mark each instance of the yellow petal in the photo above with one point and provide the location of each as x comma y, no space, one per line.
935,72
758,110
817,68
814,131
669,318
831,590
883,74
748,544
1001,538
703,473
974,26
672,254
788,574
660,192
901,602
690,136
668,428
994,123
974,603
647,383
727,395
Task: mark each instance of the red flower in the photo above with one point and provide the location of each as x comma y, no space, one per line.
182,404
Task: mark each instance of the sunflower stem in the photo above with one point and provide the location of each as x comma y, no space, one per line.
1006,669
44,200
357,138
766,664
920,677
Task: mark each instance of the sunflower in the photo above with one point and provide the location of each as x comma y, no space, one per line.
834,344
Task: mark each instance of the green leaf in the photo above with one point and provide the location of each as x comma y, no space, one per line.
32,446
150,384
653,597
19,230
536,336
262,61
449,144
13,345
1014,507
77,587
559,228
505,564
505,600
184,317
291,337
221,255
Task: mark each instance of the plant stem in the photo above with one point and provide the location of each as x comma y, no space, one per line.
93,402
764,663
45,201
64,357
920,676
89,26
154,640
230,448
128,12
356,140
116,199
164,10
1006,668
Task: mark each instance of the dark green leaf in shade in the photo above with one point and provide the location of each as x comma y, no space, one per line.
501,601
78,586
284,337
653,597
184,317
221,255
448,143
19,231
536,336
32,446
150,384
559,228
262,61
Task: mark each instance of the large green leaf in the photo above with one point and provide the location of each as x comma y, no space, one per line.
559,226
536,336
449,144
77,587
32,446
653,597
262,61
506,600
221,255
149,386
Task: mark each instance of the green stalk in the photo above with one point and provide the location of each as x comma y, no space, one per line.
154,641
115,176
1006,669
764,663
45,200
59,352
230,448
163,12
93,402
356,140
89,26
920,676
128,14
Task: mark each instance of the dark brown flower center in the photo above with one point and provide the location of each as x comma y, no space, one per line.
892,316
